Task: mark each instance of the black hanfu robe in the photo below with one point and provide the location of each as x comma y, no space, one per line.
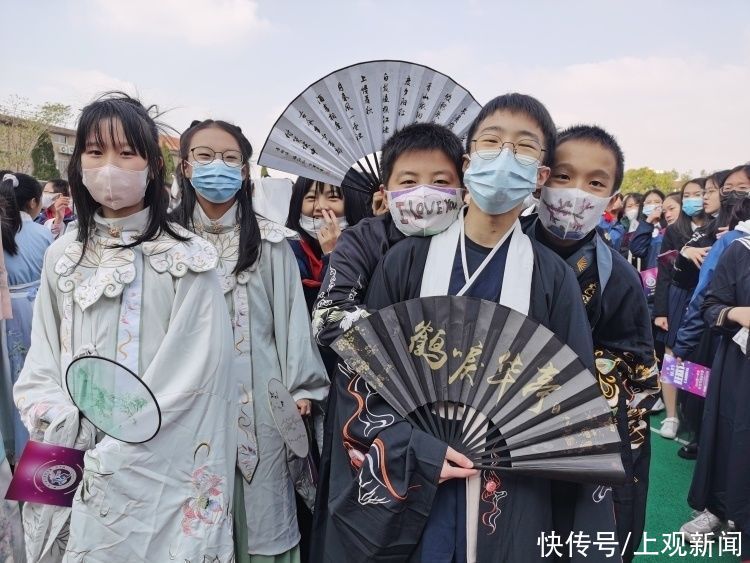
625,364
351,265
384,473
721,481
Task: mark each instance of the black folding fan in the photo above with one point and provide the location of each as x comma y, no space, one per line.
491,383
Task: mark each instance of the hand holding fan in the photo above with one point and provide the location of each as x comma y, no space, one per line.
333,130
113,399
491,383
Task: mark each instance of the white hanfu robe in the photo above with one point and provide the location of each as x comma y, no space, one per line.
273,339
158,308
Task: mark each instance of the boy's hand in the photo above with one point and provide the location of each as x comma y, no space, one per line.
379,203
461,469
662,323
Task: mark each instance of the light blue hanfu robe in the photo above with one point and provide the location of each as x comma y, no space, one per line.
24,271
273,339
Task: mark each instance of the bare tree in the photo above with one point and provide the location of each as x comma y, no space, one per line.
21,125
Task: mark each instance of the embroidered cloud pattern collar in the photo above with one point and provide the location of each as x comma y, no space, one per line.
107,268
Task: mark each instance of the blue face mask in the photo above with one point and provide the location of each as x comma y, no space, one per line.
692,206
216,181
500,184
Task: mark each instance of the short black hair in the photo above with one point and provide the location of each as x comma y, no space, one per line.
60,186
527,105
595,134
421,137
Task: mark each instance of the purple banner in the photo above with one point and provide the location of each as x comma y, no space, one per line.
47,474
688,376
648,277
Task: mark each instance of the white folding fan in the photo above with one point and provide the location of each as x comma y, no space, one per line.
333,130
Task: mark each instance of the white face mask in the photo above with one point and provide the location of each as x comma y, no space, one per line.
312,226
116,188
570,213
48,199
424,210
632,214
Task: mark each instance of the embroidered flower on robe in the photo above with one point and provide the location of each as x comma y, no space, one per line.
205,508
274,232
227,246
177,257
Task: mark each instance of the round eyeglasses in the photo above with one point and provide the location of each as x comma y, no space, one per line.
527,151
206,155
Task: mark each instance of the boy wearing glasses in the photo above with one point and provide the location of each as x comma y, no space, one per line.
409,497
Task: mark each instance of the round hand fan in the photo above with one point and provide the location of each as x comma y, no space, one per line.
491,383
332,131
113,399
287,418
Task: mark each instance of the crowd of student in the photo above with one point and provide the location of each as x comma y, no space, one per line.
206,300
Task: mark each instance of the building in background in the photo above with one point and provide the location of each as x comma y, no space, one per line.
63,143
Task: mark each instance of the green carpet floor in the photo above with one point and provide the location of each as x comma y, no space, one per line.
667,505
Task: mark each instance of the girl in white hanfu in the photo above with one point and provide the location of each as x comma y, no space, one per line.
272,334
129,286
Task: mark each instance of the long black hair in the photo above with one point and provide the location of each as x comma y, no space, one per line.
725,207
652,191
16,191
183,213
357,206
142,134
684,224
636,197
745,169
739,212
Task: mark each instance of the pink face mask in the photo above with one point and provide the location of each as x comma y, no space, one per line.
116,188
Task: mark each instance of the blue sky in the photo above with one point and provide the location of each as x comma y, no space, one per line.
669,78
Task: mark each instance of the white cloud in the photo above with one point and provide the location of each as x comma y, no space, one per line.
687,113
77,87
198,22
71,86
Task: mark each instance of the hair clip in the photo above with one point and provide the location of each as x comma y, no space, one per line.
12,178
